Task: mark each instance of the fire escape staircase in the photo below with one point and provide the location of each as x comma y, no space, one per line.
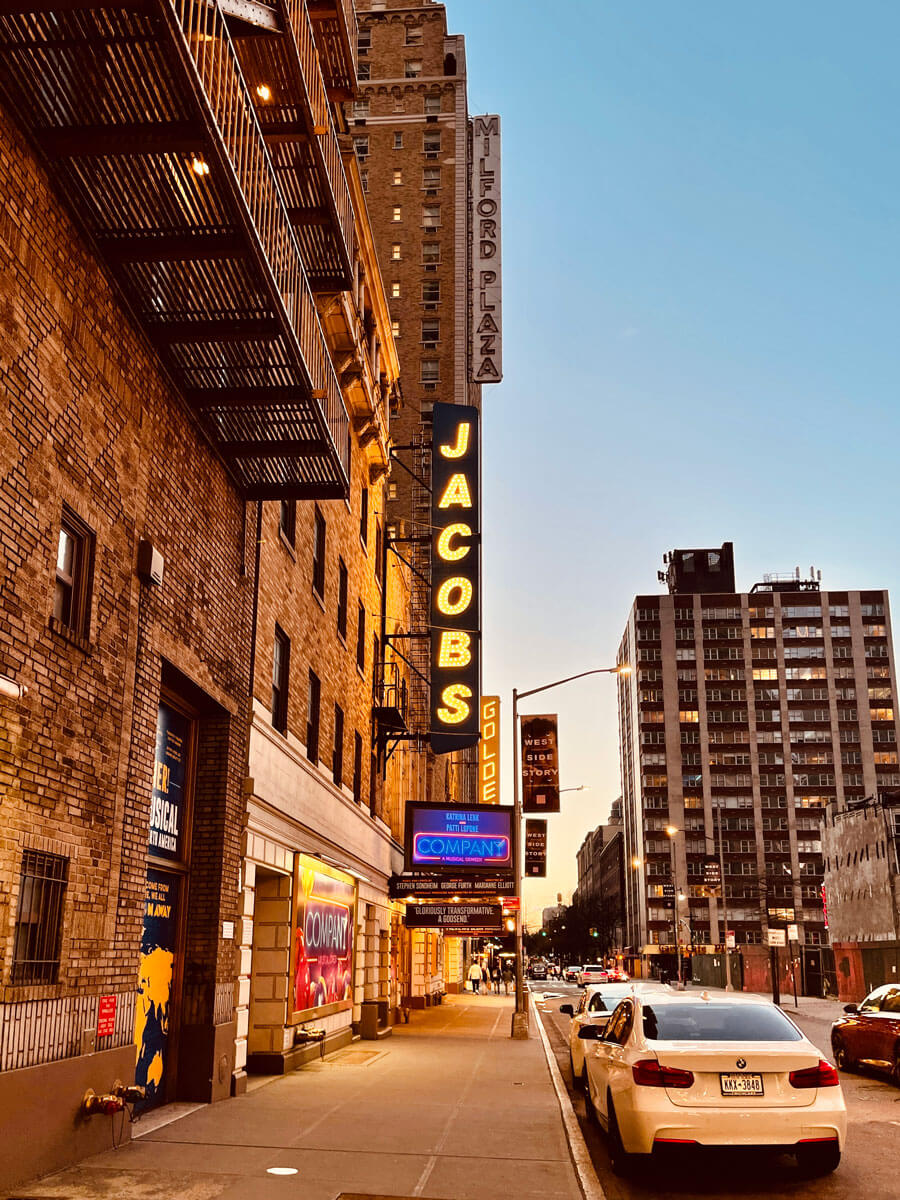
194,143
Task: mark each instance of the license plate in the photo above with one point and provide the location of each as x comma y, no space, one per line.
741,1085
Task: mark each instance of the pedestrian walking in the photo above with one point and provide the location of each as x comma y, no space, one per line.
475,976
507,979
486,972
495,979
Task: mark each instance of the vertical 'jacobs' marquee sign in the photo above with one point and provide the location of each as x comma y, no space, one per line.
455,578
487,311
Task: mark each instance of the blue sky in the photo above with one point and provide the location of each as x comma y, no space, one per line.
700,248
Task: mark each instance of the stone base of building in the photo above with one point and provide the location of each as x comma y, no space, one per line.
43,1126
279,1063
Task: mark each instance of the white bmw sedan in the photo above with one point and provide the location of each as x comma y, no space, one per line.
595,1004
675,1070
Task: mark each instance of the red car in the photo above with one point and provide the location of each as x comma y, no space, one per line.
869,1033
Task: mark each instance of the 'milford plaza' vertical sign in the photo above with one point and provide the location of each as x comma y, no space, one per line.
487,316
455,578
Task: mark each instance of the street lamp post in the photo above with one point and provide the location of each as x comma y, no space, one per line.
520,1015
672,831
724,898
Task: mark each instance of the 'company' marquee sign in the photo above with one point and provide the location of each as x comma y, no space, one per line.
446,838
487,318
455,578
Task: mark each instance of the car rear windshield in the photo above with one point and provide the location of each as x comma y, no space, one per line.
593,967
711,1022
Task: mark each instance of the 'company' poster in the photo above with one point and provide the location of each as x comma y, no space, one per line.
152,1014
324,916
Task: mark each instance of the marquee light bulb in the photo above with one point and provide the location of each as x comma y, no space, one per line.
453,553
453,608
455,710
199,165
454,649
461,444
456,493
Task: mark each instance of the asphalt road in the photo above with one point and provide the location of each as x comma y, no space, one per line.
869,1170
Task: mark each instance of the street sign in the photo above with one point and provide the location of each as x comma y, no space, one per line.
777,937
729,939
540,764
668,891
452,917
793,933
535,848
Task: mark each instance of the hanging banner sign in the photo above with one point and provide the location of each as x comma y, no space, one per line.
540,764
464,917
487,294
536,849
446,839
419,883
455,578
489,751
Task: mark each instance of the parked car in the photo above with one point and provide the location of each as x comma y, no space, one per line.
570,974
730,1071
595,1004
592,973
869,1033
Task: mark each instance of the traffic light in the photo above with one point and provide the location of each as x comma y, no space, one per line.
594,933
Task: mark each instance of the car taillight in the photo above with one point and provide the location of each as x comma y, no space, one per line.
822,1075
650,1073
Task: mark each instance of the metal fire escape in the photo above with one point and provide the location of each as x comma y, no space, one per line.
194,144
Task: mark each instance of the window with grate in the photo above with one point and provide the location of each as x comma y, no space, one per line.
431,291
357,767
318,579
38,930
361,637
342,600
287,521
74,571
364,516
337,758
281,659
312,717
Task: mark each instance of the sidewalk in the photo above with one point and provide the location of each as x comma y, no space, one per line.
449,1107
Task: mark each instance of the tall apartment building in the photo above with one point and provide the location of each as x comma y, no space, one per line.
751,711
196,375
413,139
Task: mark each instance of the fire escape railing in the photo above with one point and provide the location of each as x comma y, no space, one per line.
208,45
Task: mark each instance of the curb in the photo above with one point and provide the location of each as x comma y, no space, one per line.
587,1177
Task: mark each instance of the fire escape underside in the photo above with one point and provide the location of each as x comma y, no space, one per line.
147,126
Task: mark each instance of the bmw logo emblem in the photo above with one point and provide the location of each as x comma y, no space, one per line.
741,1063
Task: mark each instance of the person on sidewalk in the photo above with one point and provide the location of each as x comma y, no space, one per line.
475,977
507,979
495,978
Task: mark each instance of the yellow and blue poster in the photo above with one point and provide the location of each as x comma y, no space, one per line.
152,1017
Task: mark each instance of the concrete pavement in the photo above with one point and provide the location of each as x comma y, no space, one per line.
450,1107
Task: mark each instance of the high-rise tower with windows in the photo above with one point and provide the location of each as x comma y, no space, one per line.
745,715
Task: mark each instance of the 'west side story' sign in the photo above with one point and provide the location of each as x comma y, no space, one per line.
536,848
455,578
487,317
540,764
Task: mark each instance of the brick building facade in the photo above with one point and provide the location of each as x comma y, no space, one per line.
96,441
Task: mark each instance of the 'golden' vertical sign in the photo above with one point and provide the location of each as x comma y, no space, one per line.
489,751
455,578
